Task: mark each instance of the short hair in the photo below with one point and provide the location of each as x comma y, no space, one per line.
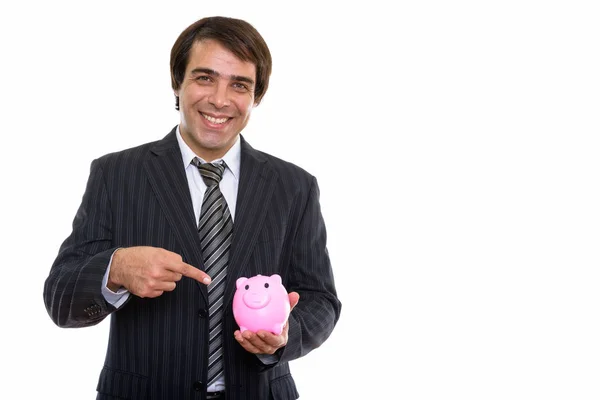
237,36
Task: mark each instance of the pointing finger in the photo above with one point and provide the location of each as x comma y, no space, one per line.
191,272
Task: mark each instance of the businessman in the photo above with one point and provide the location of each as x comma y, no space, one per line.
165,229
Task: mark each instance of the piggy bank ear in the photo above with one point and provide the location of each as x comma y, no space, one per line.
240,282
275,278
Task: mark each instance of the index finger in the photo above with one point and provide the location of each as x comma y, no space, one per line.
191,272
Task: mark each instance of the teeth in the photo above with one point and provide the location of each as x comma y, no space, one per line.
215,120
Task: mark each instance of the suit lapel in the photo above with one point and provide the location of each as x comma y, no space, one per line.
257,181
166,174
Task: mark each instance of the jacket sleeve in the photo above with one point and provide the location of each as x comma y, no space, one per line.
72,291
318,310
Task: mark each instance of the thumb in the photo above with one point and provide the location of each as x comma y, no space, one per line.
294,297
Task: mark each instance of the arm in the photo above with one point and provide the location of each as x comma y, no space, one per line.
315,306
72,291
76,291
312,320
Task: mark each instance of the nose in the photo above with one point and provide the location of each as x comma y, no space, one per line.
220,96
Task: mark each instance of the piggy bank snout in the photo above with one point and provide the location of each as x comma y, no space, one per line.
256,299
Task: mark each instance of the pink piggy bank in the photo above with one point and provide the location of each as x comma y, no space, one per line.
261,302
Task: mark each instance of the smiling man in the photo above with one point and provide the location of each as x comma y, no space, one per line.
165,229
216,98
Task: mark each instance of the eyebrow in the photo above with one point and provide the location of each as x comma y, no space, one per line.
212,72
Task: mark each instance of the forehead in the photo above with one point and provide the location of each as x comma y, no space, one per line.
213,55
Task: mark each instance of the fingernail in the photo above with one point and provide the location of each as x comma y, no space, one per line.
206,280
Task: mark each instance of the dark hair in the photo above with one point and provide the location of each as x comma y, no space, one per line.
237,36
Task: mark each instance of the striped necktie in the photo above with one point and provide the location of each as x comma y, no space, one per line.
216,229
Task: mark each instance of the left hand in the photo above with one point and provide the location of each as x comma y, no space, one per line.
264,342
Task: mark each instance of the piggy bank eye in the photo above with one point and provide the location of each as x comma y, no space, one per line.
247,287
266,285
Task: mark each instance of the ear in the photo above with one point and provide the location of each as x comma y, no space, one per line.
240,282
275,278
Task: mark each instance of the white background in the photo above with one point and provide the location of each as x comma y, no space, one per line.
469,129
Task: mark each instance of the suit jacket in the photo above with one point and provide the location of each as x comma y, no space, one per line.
158,347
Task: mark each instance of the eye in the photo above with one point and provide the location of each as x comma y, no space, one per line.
203,78
266,285
247,287
240,87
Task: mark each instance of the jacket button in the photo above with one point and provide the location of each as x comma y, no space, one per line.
202,313
198,386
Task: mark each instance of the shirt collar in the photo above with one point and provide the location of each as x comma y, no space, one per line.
231,158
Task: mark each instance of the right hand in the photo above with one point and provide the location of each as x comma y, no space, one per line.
150,271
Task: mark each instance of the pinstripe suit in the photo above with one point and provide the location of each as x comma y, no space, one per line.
158,347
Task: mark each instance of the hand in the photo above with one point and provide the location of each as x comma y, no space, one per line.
264,342
150,271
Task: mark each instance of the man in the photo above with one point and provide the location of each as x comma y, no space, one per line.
165,230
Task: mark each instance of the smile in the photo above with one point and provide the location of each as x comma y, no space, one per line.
215,120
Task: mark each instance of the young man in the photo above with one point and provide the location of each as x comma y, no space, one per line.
166,228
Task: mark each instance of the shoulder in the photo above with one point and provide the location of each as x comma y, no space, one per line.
134,156
287,168
288,171
130,155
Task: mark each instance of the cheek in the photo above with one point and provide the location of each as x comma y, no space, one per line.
245,103
193,94
246,107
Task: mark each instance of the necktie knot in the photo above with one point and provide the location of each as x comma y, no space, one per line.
211,173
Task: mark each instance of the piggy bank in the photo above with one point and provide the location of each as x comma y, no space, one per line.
261,302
